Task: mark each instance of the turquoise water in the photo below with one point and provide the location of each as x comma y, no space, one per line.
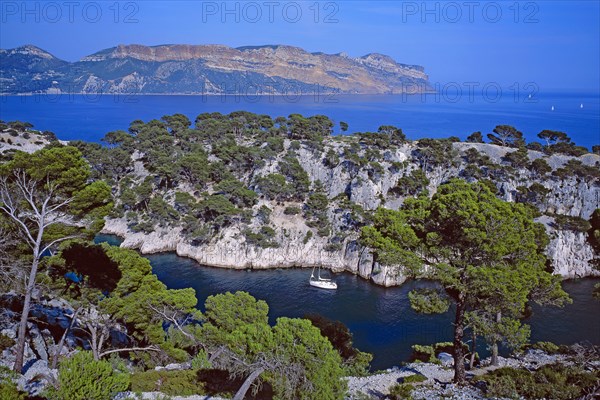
89,117
380,318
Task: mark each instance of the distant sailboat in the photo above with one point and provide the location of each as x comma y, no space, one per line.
552,109
581,105
321,282
529,96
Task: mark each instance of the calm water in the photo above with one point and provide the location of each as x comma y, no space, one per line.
89,117
380,318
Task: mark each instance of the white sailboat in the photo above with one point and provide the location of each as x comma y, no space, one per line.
552,109
581,105
321,282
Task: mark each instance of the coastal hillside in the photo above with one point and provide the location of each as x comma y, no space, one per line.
248,191
207,69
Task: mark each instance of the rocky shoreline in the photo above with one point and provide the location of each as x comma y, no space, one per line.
569,251
230,253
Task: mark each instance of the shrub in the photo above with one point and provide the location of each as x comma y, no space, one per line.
274,187
435,153
547,347
180,383
416,378
5,342
411,185
292,210
429,353
518,158
307,237
423,353
502,387
533,194
568,223
332,247
401,392
578,169
263,238
331,159
540,166
8,388
553,381
290,167
83,378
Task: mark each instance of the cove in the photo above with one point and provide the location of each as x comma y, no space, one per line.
380,319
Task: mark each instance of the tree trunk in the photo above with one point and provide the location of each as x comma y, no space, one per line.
473,351
494,360
62,339
459,331
239,395
25,314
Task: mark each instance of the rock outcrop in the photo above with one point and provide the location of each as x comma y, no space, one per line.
569,251
207,69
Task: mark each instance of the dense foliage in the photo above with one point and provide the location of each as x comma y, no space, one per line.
81,377
554,381
486,254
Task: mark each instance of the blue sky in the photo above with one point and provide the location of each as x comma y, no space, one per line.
552,43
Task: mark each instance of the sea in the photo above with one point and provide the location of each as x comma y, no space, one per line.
435,115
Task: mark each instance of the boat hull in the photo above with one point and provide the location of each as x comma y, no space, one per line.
323,284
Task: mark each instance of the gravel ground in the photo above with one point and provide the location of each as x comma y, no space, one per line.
439,378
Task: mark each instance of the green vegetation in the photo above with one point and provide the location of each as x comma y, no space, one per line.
81,377
5,342
292,210
475,137
241,171
411,185
506,135
416,378
401,391
489,275
554,381
518,158
8,388
293,356
315,212
547,347
174,383
575,168
569,223
264,238
356,363
432,153
47,198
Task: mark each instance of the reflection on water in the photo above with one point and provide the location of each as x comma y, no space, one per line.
380,318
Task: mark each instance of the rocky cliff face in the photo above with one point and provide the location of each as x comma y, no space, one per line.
207,69
569,251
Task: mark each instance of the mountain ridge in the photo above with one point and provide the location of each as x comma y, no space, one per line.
206,69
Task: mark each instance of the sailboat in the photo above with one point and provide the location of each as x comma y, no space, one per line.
552,109
581,105
321,282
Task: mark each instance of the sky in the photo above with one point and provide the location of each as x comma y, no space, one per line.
554,44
